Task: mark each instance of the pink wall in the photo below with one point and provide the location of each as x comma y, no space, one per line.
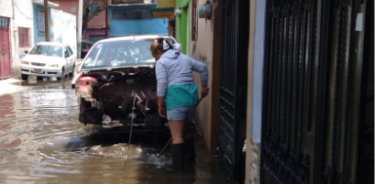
92,32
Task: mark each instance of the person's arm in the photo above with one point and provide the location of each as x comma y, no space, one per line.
202,69
162,84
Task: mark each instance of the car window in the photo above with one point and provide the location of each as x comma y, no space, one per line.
71,51
67,53
48,50
119,53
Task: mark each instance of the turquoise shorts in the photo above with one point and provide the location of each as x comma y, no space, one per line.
181,113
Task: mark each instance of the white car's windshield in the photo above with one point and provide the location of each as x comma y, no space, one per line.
120,53
48,50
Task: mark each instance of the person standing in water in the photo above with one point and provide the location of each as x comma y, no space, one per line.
178,94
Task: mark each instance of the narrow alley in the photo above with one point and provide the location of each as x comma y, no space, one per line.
41,141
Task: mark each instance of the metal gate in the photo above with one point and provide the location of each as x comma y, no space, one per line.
233,81
5,67
314,79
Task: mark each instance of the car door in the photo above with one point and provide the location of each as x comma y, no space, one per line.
67,56
72,55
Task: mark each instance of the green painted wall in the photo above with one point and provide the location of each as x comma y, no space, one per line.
181,24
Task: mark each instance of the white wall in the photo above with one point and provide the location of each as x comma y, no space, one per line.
21,15
63,26
24,18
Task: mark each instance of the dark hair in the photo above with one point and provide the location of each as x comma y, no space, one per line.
158,45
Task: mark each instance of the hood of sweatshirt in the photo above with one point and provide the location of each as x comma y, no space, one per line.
170,54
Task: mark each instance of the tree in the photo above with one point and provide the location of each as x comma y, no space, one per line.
88,13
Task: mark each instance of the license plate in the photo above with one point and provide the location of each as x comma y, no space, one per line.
37,71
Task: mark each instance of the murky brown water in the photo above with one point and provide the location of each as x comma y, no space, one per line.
41,141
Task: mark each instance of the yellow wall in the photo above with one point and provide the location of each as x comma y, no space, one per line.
166,3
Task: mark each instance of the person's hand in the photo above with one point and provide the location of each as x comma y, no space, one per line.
204,91
162,112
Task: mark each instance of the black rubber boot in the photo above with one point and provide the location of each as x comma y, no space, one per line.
189,149
178,159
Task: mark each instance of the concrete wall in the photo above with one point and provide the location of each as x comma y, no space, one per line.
40,36
23,17
255,88
135,27
207,49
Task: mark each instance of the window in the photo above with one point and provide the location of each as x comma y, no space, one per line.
73,10
131,14
66,52
194,19
48,50
96,38
122,53
70,51
23,36
41,25
93,7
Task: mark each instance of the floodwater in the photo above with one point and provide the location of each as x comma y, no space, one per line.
41,141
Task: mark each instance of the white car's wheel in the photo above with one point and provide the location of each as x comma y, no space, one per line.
62,74
25,77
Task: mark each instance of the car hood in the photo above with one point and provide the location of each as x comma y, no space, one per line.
42,59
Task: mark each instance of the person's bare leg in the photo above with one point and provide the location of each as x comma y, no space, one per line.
177,128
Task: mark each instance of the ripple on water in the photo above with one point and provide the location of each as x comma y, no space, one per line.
128,152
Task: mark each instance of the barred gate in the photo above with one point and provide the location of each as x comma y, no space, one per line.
5,67
233,81
313,106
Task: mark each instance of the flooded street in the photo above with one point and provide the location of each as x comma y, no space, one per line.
42,141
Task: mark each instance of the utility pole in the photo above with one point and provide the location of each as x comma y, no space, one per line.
80,14
46,22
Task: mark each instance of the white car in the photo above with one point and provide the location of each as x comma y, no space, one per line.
48,59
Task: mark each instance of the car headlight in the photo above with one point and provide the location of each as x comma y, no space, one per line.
25,62
54,65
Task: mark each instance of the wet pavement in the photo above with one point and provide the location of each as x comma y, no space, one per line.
41,141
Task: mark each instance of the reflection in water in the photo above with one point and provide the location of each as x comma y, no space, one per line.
41,141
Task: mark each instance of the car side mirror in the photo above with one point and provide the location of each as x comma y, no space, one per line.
26,51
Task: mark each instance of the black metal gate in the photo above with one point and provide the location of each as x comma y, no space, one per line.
313,103
233,81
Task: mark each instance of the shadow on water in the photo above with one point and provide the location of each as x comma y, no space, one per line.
41,141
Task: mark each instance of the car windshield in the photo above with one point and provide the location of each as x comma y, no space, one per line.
121,53
48,50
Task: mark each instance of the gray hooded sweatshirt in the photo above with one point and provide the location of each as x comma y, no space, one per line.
174,68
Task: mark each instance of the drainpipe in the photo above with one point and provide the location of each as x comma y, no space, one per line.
107,19
46,20
15,68
80,12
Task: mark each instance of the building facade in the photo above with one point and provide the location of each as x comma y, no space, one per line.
97,27
18,33
135,19
293,79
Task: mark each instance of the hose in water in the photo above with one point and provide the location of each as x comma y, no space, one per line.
133,116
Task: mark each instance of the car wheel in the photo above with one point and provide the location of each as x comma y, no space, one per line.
62,74
72,73
24,77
